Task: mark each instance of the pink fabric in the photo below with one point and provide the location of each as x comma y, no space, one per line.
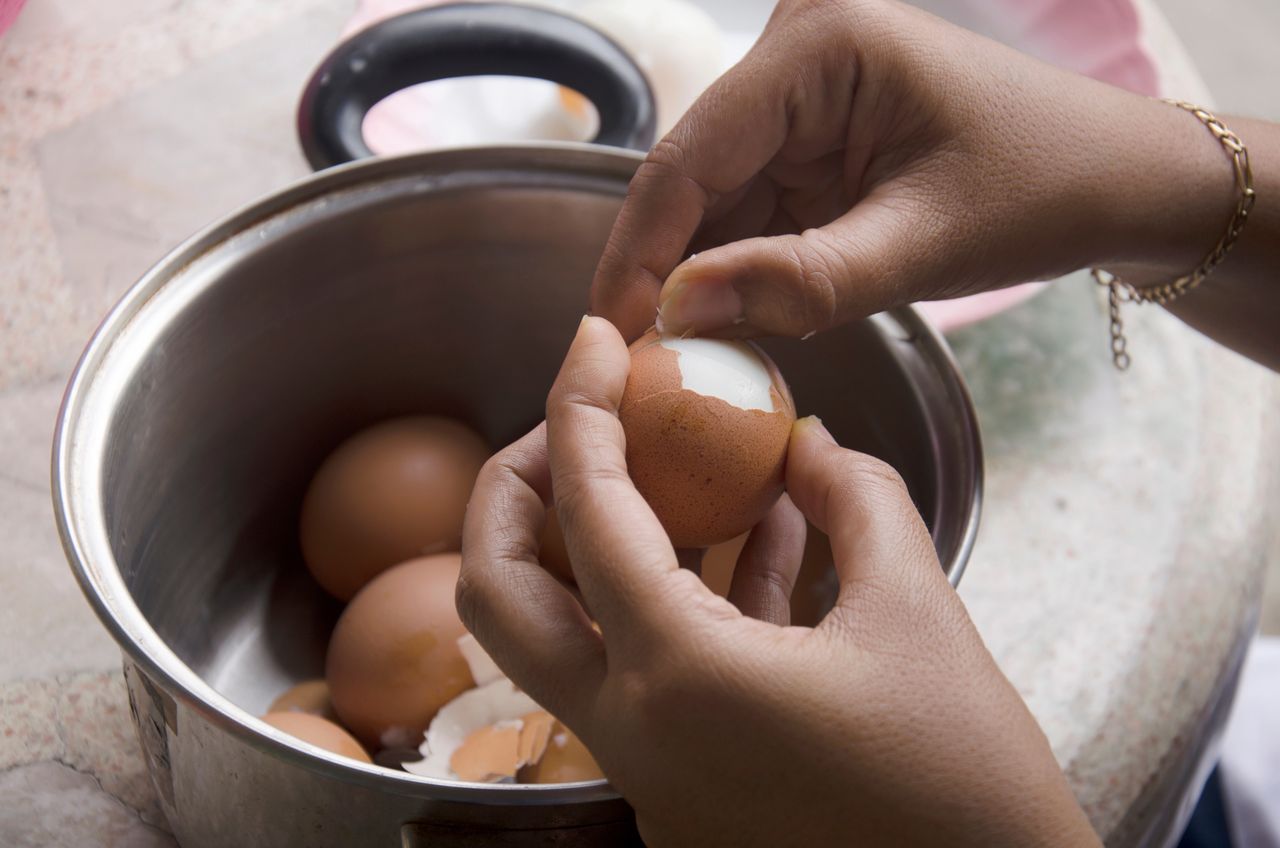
9,13
1098,38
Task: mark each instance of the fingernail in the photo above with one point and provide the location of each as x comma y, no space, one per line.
697,303
820,429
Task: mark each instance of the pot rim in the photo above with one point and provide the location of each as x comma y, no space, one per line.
82,426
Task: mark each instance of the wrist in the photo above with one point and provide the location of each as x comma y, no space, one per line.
1167,194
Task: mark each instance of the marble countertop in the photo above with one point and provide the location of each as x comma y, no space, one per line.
1117,572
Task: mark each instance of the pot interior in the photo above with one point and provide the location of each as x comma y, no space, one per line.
448,283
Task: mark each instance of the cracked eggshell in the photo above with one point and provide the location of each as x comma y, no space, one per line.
394,659
566,760
707,424
319,732
473,710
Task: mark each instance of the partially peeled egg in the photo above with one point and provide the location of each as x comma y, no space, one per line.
707,424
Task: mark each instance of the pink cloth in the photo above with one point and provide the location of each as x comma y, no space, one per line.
9,13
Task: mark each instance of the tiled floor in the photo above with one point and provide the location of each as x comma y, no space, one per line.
1233,45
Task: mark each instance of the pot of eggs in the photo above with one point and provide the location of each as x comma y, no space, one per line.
264,455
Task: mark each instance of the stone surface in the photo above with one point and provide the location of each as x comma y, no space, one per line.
1117,568
1125,526
44,610
51,805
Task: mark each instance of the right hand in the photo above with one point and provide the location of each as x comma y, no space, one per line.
865,154
888,723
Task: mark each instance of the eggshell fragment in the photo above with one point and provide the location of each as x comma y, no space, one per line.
483,668
566,760
394,491
499,751
319,732
393,658
707,424
475,709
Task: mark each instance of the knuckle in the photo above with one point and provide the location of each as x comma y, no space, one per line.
818,270
669,162
666,158
575,485
863,478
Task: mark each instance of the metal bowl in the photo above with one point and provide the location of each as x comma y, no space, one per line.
447,282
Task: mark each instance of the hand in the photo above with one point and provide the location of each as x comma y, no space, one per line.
866,154
888,723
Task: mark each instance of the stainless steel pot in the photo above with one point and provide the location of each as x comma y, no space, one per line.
447,282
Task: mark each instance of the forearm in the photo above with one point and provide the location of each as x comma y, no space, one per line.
1181,196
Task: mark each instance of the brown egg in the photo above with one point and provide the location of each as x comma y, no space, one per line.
566,760
707,424
719,562
816,584
395,491
319,732
310,696
552,552
393,658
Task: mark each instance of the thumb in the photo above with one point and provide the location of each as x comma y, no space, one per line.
791,285
878,539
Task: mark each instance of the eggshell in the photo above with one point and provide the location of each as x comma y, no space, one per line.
483,668
309,696
394,491
394,659
566,760
488,705
709,466
319,732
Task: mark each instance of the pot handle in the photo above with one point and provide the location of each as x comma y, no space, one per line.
470,39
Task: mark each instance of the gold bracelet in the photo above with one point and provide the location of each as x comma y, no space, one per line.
1118,291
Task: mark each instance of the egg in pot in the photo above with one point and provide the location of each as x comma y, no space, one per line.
707,424
319,732
394,659
393,491
309,696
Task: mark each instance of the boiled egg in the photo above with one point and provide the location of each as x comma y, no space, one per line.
394,659
394,491
707,423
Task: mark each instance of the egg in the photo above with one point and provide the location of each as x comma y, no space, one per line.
319,732
392,492
310,696
719,562
707,424
566,760
394,659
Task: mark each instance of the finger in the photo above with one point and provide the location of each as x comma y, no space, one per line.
767,567
721,143
526,619
796,284
623,561
878,540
